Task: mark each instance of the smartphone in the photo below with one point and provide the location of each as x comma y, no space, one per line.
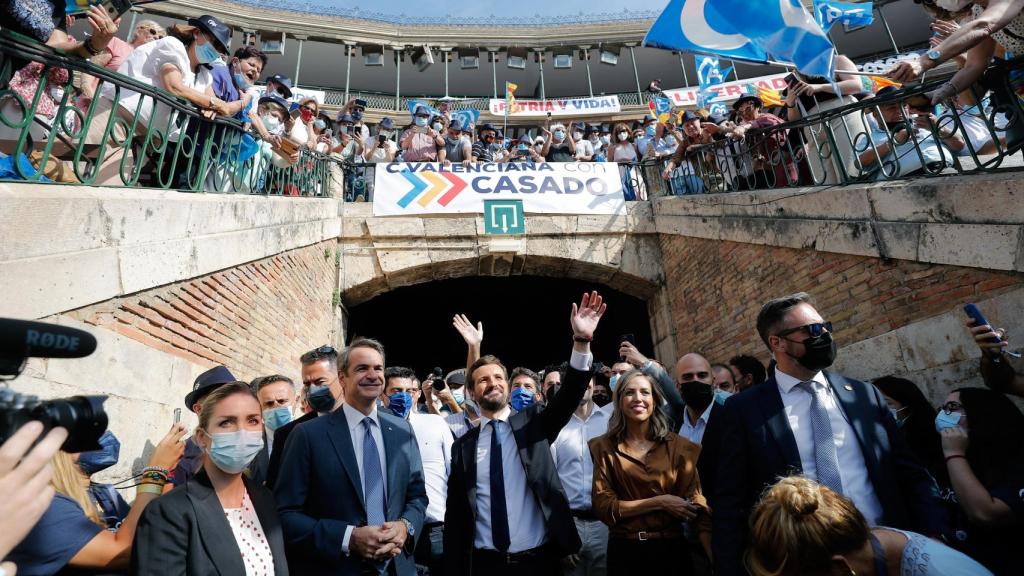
974,313
382,139
115,8
328,132
628,338
177,415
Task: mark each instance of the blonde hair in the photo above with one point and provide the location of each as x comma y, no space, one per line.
160,30
219,393
799,525
69,480
658,428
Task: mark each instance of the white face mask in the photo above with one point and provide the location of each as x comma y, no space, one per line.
576,136
272,124
953,5
623,136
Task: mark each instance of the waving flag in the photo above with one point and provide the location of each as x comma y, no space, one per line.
414,103
709,74
510,98
749,30
876,83
661,108
466,117
828,12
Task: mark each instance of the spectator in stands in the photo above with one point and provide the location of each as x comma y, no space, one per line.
593,136
116,52
996,368
220,522
747,371
44,20
323,391
349,146
647,135
644,506
435,449
523,152
915,417
482,149
359,127
558,146
176,64
584,148
527,382
205,383
801,528
690,158
623,150
71,537
983,445
906,145
382,148
766,153
822,424
302,132
806,96
421,143
281,85
456,148
724,379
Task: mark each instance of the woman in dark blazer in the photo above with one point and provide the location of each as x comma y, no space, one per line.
218,522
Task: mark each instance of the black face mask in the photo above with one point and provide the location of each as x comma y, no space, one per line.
696,394
601,400
819,353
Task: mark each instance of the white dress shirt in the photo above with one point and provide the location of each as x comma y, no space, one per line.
357,431
852,471
571,454
435,440
694,431
525,519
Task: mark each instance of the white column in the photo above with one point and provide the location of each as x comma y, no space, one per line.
586,59
298,60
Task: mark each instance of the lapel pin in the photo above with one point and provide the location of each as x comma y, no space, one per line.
848,387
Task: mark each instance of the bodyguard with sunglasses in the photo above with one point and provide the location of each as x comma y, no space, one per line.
805,420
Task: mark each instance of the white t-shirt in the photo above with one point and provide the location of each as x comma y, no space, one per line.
144,65
435,441
584,148
379,154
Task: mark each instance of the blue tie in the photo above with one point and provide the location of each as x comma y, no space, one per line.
825,462
373,479
499,510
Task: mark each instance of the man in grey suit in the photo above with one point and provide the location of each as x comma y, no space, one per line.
350,491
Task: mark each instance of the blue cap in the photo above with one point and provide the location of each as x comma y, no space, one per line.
421,109
487,126
387,123
345,119
214,27
284,82
207,382
688,116
455,124
648,118
274,99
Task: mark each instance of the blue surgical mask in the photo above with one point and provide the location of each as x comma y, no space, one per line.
206,53
613,381
650,130
605,140
400,404
721,395
319,124
343,129
277,417
233,451
421,121
946,420
559,135
98,460
241,81
459,395
521,399
523,147
321,399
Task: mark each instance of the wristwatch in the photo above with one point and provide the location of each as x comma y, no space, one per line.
408,527
934,55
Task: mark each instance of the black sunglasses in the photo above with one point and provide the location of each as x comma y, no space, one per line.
814,330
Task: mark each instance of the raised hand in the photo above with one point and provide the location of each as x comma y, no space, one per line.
25,473
984,334
472,335
585,317
631,354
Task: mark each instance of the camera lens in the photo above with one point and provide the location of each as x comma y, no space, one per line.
82,416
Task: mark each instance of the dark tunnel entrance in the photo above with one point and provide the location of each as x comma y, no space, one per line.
526,321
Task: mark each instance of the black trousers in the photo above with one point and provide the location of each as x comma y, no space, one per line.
662,557
539,562
429,549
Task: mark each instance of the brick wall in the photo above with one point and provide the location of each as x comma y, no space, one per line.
256,319
716,289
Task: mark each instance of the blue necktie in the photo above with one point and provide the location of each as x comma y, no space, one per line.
825,462
499,510
373,483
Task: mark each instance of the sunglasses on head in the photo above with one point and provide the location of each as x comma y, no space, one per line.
815,330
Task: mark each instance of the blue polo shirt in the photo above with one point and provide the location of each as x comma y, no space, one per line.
63,530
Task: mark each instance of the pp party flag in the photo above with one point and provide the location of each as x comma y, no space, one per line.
828,12
876,83
746,30
661,108
709,74
414,103
466,117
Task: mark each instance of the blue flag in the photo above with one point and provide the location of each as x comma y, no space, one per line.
752,30
466,117
709,74
414,103
828,12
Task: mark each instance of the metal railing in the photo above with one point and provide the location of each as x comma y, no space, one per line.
129,133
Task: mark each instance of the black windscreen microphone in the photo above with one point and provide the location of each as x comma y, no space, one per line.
43,340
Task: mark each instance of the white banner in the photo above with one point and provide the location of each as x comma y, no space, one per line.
559,107
728,91
300,94
411,189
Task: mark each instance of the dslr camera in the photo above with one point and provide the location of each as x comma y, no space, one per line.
82,416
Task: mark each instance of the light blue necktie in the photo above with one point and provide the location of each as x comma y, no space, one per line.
825,462
373,482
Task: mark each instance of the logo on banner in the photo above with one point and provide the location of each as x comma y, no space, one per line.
466,117
430,185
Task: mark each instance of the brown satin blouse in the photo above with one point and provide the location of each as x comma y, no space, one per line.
670,467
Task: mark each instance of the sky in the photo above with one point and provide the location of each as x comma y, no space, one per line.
484,8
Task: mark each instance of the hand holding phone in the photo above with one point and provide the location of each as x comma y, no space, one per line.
988,339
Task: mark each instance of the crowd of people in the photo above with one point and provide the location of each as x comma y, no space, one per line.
581,468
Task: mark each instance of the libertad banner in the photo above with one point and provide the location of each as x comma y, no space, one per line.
727,91
559,107
410,189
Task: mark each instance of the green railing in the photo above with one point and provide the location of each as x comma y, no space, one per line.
131,133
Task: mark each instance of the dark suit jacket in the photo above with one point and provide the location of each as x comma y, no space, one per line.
320,494
257,469
280,440
185,532
534,429
758,447
707,462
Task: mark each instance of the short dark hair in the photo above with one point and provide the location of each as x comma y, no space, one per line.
749,366
560,368
322,353
398,372
359,343
262,382
523,371
772,313
246,52
486,360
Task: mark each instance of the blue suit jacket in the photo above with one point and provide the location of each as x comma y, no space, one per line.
758,447
319,493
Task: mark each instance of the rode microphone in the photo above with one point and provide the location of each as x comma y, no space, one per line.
20,339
